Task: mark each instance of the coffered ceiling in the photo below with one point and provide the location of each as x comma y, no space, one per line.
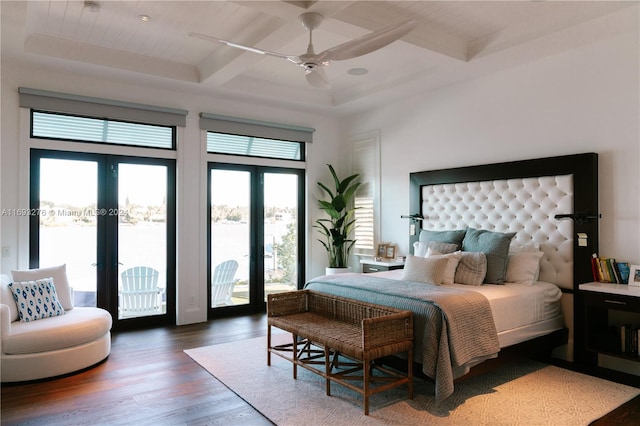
453,41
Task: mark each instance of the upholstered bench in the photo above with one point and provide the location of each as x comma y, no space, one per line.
49,346
327,328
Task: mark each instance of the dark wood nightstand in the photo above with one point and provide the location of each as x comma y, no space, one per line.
611,315
379,266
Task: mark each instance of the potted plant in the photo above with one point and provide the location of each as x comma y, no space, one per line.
337,228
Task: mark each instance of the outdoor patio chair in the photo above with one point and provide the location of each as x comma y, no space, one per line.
140,294
222,283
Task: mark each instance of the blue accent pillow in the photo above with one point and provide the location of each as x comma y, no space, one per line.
495,246
36,299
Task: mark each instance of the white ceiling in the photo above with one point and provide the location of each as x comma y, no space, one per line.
453,41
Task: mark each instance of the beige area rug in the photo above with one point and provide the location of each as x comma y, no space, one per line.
521,393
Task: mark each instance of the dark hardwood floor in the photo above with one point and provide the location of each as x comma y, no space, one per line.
147,380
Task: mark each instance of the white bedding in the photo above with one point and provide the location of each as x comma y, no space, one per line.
520,311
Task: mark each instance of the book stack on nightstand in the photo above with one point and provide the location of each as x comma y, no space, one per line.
371,265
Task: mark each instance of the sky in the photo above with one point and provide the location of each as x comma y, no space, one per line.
75,182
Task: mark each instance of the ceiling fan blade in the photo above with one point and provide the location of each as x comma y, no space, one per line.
367,43
317,78
291,58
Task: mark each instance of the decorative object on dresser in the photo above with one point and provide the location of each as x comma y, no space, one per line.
634,275
337,229
609,270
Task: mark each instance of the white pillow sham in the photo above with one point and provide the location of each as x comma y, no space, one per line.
424,270
452,264
523,267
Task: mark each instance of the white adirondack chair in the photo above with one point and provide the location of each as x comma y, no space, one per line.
140,294
222,283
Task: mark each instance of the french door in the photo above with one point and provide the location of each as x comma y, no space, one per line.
256,242
111,220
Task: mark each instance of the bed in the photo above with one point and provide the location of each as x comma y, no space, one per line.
545,206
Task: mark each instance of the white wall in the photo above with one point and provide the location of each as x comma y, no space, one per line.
191,163
586,100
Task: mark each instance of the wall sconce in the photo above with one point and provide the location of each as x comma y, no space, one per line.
414,218
580,218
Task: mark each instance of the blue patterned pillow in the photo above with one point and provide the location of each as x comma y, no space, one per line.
36,299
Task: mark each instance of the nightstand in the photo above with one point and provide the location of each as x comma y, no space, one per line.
611,318
379,266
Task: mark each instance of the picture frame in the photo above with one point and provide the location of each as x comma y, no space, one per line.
390,252
381,251
634,275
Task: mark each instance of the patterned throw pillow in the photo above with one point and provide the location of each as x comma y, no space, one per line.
472,268
36,299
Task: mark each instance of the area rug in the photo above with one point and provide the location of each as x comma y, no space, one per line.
519,393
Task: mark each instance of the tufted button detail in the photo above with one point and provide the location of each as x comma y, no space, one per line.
525,206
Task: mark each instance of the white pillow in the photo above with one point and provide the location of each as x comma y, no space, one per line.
523,267
424,270
59,275
452,264
420,248
36,299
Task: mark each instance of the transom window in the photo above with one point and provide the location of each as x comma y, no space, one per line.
250,146
48,125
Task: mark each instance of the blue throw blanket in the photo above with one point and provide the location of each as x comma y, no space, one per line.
453,327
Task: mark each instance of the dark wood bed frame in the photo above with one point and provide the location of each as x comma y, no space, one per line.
584,168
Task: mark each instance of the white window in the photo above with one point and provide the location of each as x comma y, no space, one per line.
366,162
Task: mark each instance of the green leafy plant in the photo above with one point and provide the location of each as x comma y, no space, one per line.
337,228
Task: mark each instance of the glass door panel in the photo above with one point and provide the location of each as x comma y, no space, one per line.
230,237
68,222
280,232
142,240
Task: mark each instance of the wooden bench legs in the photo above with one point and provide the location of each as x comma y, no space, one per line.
357,375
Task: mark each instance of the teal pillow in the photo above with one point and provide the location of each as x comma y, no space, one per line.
450,237
495,246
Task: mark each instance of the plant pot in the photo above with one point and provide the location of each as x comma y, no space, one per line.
333,271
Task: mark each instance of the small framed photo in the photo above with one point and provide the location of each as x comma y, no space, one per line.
634,275
391,252
381,251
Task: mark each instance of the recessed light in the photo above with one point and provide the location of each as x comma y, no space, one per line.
144,18
92,6
357,71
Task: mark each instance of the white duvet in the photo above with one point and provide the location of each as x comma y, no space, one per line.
512,305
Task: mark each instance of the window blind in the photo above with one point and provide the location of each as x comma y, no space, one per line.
103,108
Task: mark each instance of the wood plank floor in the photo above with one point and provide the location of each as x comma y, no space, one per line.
147,380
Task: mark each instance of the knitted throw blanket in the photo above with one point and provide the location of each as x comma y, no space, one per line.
453,327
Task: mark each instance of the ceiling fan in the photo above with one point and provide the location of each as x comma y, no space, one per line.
313,63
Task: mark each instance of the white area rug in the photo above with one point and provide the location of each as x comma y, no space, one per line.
523,393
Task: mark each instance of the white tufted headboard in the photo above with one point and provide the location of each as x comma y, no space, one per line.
522,197
526,206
